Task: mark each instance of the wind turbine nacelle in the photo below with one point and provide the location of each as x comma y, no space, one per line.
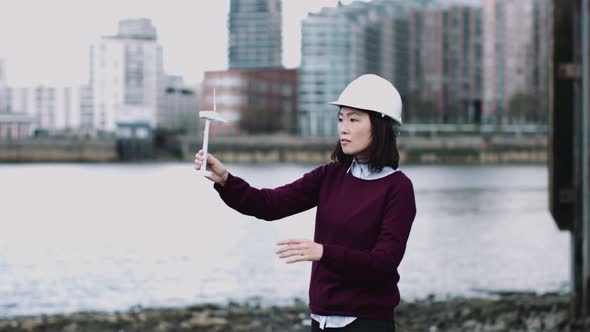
211,115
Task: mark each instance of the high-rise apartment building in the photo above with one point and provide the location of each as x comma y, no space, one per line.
14,123
342,43
515,60
126,78
51,109
255,36
445,65
451,62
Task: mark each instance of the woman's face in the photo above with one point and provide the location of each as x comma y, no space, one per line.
354,129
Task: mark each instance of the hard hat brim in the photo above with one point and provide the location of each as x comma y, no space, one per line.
337,103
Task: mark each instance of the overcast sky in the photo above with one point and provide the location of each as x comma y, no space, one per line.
47,41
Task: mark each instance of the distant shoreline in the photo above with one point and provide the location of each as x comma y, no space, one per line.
510,312
470,150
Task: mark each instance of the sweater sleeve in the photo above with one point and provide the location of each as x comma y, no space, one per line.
272,204
380,262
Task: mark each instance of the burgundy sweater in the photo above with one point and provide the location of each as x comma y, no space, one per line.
363,225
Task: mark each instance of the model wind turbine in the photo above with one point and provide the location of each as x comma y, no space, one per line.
208,116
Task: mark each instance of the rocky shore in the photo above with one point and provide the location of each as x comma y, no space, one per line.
508,312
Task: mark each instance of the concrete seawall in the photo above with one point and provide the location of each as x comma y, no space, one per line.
419,150
276,149
58,150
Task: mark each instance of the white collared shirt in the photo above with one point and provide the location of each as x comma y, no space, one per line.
360,171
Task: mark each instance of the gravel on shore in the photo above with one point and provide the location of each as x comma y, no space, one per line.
509,312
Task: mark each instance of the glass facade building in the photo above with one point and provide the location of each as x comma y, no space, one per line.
430,52
342,43
255,38
453,63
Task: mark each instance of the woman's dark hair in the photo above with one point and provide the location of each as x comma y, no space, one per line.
382,150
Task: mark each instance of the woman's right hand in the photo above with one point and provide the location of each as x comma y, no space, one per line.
214,166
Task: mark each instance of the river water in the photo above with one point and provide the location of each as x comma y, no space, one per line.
111,236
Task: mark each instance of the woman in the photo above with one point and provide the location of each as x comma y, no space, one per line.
365,209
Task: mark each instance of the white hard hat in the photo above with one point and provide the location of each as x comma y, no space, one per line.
372,93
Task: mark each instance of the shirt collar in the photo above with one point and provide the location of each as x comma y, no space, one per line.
363,168
353,163
362,171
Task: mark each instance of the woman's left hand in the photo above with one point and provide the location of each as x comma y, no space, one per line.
301,249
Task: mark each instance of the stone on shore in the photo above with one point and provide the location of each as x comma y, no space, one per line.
516,312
